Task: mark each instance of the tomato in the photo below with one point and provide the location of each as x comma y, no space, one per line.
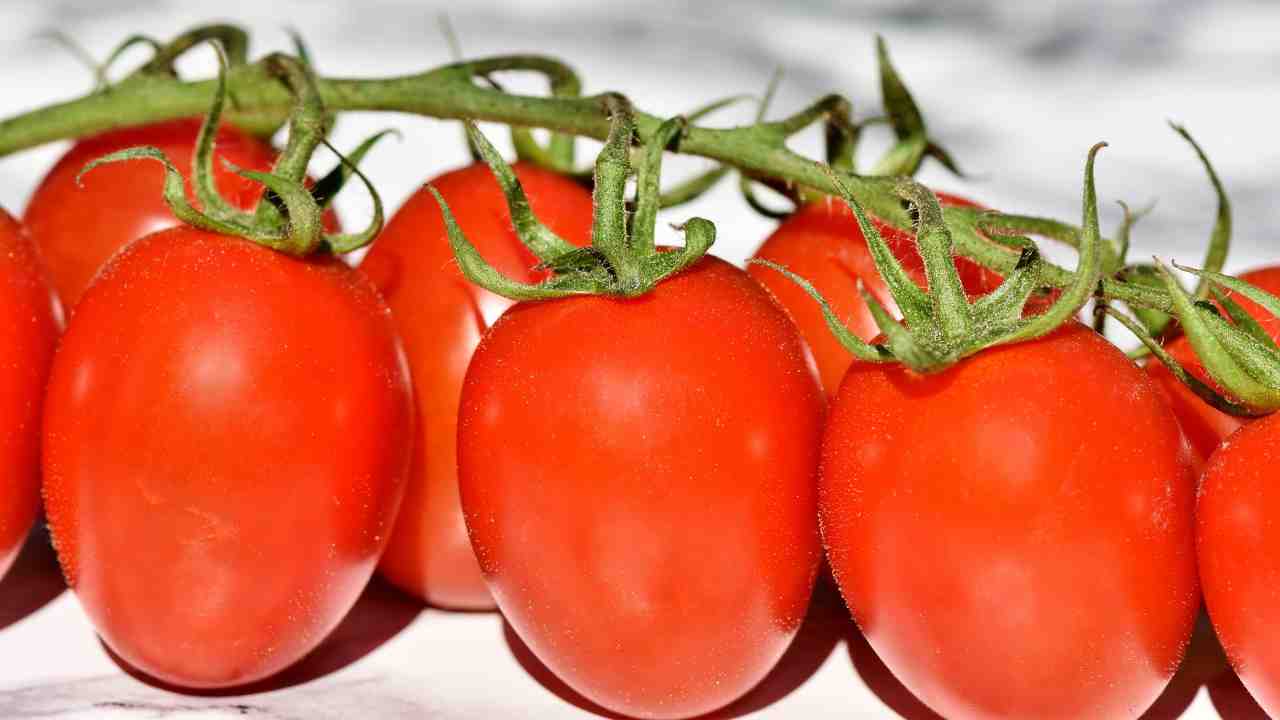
1205,426
1014,534
28,332
1239,551
638,478
823,244
77,229
441,317
227,432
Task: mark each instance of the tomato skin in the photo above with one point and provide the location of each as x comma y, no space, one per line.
638,478
226,436
79,228
822,243
1204,426
1238,544
28,333
441,318
1009,549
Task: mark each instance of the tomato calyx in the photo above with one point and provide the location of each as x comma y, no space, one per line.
623,259
904,117
941,326
288,218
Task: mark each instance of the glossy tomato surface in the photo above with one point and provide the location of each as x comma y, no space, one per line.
28,332
441,317
227,433
1205,426
823,244
1014,534
638,477
1238,518
77,229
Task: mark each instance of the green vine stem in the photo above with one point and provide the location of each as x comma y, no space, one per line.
453,92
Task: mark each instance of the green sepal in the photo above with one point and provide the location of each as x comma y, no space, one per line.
479,271
856,346
644,221
540,239
1005,303
332,183
1242,319
303,231
202,174
341,243
914,144
1220,237
1206,393
175,190
1217,357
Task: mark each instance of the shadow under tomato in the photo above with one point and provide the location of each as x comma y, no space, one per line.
1232,700
818,636
35,580
881,681
380,614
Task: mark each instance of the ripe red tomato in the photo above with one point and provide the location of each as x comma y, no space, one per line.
441,317
1205,426
28,332
1014,534
227,432
823,244
1239,551
638,477
77,229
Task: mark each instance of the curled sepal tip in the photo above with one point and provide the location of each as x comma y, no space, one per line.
1220,238
175,193
1244,366
347,242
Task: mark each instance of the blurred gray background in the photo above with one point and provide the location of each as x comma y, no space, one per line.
1017,91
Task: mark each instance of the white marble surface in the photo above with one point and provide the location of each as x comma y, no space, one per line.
1018,91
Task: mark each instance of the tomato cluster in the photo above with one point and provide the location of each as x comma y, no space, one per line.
233,439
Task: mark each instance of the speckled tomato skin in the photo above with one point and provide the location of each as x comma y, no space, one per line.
1238,542
28,333
1014,534
441,317
226,437
638,478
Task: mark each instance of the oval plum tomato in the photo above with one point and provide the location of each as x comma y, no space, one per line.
441,317
78,228
1205,426
823,244
638,478
1014,534
227,432
1239,550
28,332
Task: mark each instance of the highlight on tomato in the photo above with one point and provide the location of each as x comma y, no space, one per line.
78,224
28,333
637,449
227,431
968,492
1237,547
441,318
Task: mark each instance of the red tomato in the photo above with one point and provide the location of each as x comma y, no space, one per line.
28,331
227,432
1239,550
823,244
79,228
441,317
1014,534
638,477
1205,426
